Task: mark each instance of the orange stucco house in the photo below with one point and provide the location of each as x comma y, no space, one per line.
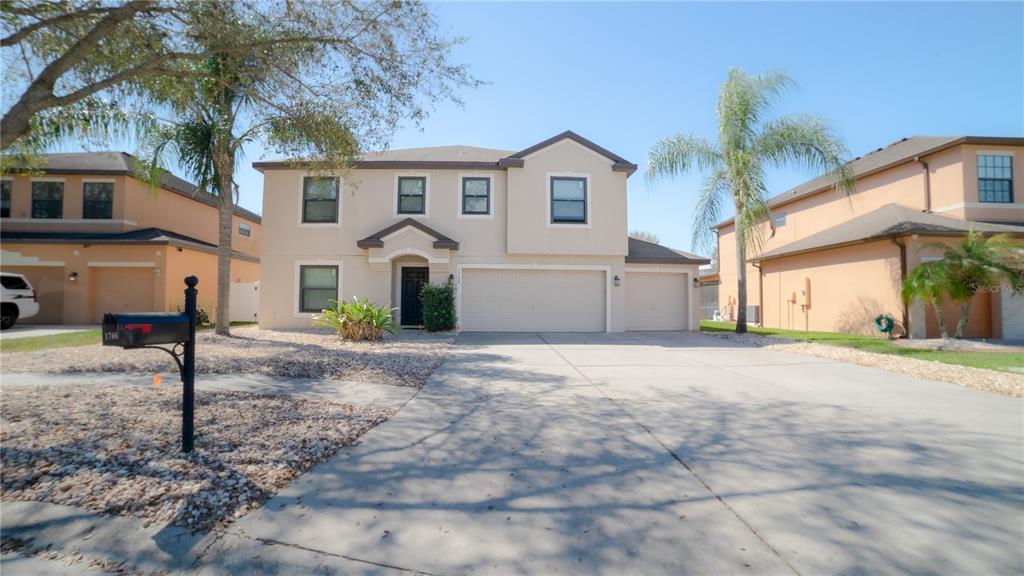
836,261
92,238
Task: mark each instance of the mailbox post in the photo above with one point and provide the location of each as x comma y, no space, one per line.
149,330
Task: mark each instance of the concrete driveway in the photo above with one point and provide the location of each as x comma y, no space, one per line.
657,453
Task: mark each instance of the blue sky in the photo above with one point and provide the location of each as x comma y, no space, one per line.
626,75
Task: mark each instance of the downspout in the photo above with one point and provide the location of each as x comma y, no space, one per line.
927,184
760,293
903,275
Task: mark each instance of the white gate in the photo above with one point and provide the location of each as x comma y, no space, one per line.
245,302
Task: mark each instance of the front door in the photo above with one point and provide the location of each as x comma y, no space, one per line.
412,280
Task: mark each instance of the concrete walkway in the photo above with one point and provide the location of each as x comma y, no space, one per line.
656,454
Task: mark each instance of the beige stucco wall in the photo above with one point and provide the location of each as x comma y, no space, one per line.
953,182
136,205
368,204
530,230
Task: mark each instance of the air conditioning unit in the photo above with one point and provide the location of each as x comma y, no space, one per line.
754,314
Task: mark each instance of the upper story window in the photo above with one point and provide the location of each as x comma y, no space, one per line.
779,219
320,199
476,195
98,200
995,178
5,198
568,200
244,229
47,199
412,195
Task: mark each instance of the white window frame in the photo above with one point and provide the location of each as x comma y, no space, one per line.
341,203
248,227
490,197
297,284
426,195
776,216
977,179
589,198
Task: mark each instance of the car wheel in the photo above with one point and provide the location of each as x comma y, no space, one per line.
8,316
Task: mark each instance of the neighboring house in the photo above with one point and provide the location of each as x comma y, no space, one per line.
837,261
92,238
532,240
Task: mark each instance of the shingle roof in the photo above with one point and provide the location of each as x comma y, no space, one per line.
644,252
141,236
459,157
376,240
899,152
122,163
889,221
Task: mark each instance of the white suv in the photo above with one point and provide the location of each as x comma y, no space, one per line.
18,301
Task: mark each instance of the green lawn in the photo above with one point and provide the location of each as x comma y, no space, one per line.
28,344
79,338
992,360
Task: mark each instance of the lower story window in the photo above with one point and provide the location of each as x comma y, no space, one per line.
318,285
244,229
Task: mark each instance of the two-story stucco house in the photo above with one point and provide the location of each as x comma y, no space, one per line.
93,238
534,240
837,261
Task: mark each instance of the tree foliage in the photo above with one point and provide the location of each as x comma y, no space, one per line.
967,267
78,66
735,166
645,236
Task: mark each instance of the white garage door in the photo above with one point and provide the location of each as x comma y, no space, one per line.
656,301
533,300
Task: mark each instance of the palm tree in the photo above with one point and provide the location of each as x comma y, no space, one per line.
929,283
204,143
979,263
735,168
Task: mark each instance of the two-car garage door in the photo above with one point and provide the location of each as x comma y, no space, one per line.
533,300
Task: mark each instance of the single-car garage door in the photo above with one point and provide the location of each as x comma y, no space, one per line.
657,301
531,300
122,290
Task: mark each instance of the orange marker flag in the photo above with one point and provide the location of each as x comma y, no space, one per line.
156,380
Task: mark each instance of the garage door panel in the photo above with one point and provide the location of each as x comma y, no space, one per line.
533,300
657,301
122,290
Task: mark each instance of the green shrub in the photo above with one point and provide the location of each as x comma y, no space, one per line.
356,320
438,307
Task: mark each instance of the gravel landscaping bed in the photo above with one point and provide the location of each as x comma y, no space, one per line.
980,378
403,361
115,449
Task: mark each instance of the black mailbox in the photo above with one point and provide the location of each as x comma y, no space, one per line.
138,330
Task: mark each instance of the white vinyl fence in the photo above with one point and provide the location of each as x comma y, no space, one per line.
245,302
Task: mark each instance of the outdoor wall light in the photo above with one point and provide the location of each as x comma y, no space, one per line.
73,277
696,281
618,281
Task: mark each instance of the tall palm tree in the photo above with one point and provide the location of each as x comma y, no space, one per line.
978,263
748,144
204,143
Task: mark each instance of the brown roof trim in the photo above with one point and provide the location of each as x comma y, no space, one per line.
375,240
135,242
386,165
981,140
620,163
877,238
669,260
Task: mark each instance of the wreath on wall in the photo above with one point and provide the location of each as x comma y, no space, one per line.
885,323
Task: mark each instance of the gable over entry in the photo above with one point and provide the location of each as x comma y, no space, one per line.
408,237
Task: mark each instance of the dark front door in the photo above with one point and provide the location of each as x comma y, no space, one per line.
412,280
